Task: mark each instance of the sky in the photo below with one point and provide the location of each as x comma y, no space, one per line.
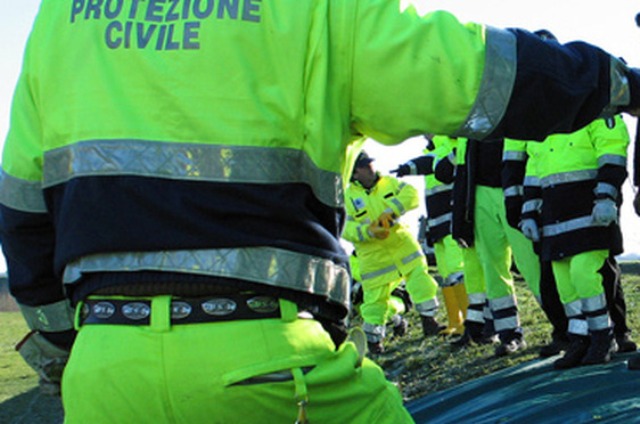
607,24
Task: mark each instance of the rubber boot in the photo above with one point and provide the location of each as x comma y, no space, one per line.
463,304
430,327
578,347
473,334
454,316
601,347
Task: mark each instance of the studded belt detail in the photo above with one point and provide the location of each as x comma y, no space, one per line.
183,311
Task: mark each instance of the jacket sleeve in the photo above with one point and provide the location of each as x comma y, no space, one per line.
611,140
26,228
405,64
532,188
402,199
514,162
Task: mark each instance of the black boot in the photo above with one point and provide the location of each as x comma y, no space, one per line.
625,344
634,363
400,327
601,347
558,344
578,347
473,334
430,326
510,342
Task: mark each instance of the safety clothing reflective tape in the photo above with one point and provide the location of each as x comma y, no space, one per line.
53,317
502,303
266,265
607,190
616,160
507,323
567,226
519,156
21,194
578,326
516,190
438,189
497,83
190,161
440,220
569,177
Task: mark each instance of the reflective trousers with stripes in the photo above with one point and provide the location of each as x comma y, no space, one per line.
581,290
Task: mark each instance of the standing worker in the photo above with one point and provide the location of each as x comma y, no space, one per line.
386,248
447,252
177,178
581,235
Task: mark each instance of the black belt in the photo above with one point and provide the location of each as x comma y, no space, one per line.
183,311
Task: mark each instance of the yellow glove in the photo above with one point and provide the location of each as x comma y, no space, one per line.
387,219
378,231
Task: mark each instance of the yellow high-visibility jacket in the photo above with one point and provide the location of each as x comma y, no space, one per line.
399,251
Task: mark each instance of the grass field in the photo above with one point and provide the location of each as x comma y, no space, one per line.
418,366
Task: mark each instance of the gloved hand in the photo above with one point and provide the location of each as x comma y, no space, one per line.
378,231
529,228
387,219
604,212
402,170
46,359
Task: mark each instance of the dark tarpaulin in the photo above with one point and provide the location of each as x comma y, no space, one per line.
536,393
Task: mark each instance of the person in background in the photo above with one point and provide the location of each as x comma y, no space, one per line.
386,248
572,193
399,301
448,254
180,191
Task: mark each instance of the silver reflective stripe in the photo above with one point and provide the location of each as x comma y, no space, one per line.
193,162
620,93
440,220
475,316
361,236
502,303
578,326
594,303
496,86
21,195
600,322
477,298
569,177
438,189
616,160
519,156
49,318
606,189
265,265
567,226
375,333
428,308
411,257
398,205
488,315
531,181
533,205
515,190
413,168
573,309
507,323
379,272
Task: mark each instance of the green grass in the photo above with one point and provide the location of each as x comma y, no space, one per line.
15,376
422,366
